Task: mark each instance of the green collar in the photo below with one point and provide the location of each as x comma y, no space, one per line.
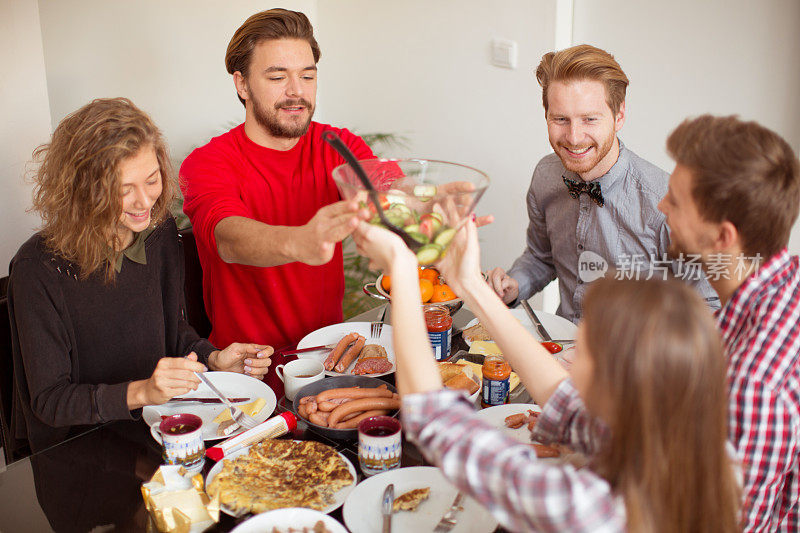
136,251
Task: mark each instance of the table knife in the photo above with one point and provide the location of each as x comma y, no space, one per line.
386,507
207,400
449,520
309,349
536,322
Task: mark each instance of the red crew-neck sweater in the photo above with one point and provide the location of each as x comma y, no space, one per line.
233,176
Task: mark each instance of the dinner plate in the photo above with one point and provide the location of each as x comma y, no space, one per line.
230,384
339,496
283,519
557,326
496,416
334,333
362,510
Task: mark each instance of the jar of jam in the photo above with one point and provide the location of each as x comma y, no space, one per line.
496,377
440,330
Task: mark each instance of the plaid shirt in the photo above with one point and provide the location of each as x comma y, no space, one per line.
760,328
504,475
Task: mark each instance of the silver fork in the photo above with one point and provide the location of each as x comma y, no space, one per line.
237,414
375,328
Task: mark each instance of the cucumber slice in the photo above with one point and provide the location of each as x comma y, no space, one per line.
445,236
437,216
400,208
419,237
425,191
411,228
429,254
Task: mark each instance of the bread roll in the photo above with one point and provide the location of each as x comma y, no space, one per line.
461,381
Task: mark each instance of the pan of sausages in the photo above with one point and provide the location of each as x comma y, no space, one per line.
334,406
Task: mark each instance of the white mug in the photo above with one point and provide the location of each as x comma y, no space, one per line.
299,373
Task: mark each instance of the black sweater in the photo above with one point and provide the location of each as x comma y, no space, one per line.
78,344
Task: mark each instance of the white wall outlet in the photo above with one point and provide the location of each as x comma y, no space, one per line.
504,53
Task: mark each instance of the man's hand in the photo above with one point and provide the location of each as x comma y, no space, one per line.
506,287
250,359
172,377
329,226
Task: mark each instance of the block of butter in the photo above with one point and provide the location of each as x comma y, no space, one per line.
177,502
250,409
485,348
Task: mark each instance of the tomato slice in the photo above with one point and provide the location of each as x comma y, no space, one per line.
552,347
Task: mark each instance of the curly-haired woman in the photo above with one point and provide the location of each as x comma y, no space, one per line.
96,297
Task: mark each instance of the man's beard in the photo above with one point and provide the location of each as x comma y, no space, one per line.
585,166
268,119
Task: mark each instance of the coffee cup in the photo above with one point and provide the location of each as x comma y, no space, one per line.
299,373
379,444
181,438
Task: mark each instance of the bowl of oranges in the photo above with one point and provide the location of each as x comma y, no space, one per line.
432,290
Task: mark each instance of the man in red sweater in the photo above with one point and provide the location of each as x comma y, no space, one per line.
266,213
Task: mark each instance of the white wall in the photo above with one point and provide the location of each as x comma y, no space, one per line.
421,69
25,119
688,57
168,57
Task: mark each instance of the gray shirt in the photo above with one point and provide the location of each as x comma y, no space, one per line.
575,239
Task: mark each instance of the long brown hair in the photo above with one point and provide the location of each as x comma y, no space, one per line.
659,364
584,62
76,183
744,173
267,25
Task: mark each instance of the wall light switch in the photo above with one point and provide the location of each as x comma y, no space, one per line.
504,53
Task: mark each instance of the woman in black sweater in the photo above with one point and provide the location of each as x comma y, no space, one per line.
96,297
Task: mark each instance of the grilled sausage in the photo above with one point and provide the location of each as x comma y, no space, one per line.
354,393
338,350
362,404
516,421
319,418
330,405
350,354
352,423
543,450
302,411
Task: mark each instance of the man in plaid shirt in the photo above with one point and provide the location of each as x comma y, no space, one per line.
733,198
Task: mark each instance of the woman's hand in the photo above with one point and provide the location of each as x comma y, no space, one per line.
250,359
381,246
461,264
172,377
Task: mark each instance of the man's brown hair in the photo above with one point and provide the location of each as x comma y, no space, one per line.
267,26
76,184
744,173
583,62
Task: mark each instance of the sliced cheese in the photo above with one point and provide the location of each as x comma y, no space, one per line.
250,409
485,348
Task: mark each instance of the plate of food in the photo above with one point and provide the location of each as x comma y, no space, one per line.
422,496
558,327
293,520
517,420
354,352
253,395
281,474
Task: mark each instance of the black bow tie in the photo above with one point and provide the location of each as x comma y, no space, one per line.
575,189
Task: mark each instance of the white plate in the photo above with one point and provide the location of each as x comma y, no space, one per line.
283,519
362,510
229,383
338,498
496,416
557,326
334,333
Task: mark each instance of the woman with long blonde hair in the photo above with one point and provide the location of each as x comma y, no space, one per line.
96,297
645,401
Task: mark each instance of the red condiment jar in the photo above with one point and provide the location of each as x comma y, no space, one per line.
496,379
440,330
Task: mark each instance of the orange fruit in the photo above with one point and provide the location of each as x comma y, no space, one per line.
425,289
442,293
431,274
386,282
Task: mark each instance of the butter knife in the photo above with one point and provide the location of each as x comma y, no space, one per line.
449,520
309,349
386,508
183,399
536,322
